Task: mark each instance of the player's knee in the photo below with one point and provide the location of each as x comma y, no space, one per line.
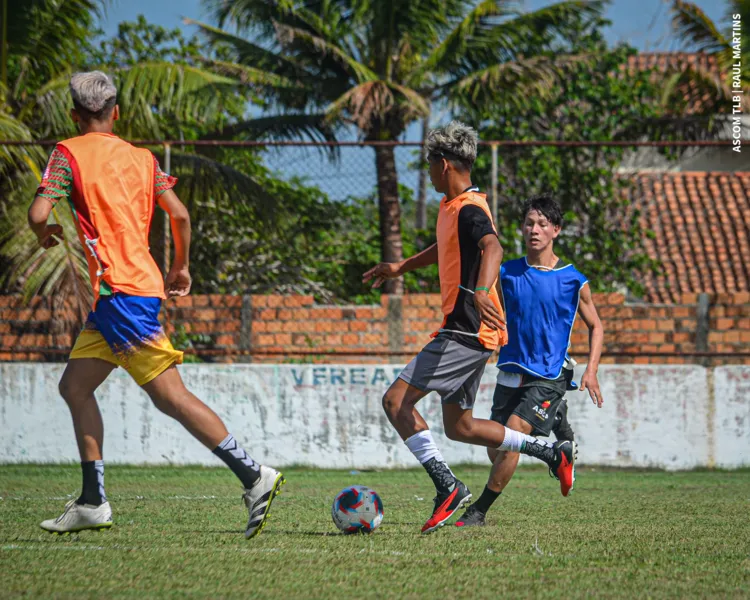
459,431
163,403
390,403
492,454
69,391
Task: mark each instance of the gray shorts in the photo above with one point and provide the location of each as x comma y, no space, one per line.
448,368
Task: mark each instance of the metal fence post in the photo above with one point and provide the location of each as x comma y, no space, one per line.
166,232
493,184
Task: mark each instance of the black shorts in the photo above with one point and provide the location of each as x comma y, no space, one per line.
535,400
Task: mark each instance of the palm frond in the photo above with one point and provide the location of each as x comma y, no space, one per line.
47,34
695,29
694,89
59,271
184,92
454,45
512,82
315,127
251,55
367,104
294,39
203,176
17,159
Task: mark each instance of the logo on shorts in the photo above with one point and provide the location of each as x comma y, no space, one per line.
546,404
541,412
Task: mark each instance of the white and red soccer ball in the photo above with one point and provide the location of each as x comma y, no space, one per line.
357,509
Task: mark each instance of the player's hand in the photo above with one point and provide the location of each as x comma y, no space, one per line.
488,312
381,272
178,282
591,383
47,239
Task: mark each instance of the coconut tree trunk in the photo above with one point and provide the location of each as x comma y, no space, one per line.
4,43
391,248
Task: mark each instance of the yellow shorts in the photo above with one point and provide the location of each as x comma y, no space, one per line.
125,331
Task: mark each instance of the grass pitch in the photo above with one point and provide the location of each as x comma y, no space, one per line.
179,533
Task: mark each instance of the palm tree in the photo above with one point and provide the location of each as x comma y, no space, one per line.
379,64
45,43
706,85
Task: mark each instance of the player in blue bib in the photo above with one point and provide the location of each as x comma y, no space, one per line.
542,296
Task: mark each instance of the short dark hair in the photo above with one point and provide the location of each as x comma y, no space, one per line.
546,205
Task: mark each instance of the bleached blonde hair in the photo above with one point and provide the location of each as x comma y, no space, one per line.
456,141
93,92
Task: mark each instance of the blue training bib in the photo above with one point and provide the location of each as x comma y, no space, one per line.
540,308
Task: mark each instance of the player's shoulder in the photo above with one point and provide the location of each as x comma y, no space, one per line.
514,266
570,271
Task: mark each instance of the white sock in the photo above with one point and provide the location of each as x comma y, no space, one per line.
514,441
423,447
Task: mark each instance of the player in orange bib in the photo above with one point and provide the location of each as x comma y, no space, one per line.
468,255
112,188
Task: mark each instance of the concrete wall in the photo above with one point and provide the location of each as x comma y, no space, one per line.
671,416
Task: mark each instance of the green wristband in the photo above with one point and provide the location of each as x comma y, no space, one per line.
482,288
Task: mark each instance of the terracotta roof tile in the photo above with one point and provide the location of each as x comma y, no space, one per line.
679,61
663,61
701,223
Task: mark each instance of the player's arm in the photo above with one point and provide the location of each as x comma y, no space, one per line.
39,212
587,311
383,271
55,185
178,280
489,267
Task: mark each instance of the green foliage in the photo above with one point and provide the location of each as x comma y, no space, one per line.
353,247
377,65
184,341
602,234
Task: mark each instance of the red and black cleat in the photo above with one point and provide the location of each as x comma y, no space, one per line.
446,505
563,466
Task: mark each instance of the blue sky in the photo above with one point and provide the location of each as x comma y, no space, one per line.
642,23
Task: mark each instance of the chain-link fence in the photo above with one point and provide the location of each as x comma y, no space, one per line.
656,222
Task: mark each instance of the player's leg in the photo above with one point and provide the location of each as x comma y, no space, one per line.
399,403
461,425
421,376
562,428
262,484
82,376
503,467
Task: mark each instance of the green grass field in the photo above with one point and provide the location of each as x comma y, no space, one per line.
178,533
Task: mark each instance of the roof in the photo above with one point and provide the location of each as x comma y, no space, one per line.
701,222
662,61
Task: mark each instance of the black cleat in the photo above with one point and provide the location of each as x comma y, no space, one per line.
471,518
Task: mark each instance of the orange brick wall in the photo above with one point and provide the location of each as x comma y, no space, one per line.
294,328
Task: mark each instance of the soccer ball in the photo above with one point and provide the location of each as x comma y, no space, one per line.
357,509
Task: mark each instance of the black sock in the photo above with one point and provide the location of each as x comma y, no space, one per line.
486,500
237,459
441,475
93,483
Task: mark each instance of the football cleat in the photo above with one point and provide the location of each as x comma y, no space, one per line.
259,497
471,518
446,505
563,467
79,517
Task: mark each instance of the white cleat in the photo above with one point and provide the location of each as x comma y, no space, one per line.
77,517
258,499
